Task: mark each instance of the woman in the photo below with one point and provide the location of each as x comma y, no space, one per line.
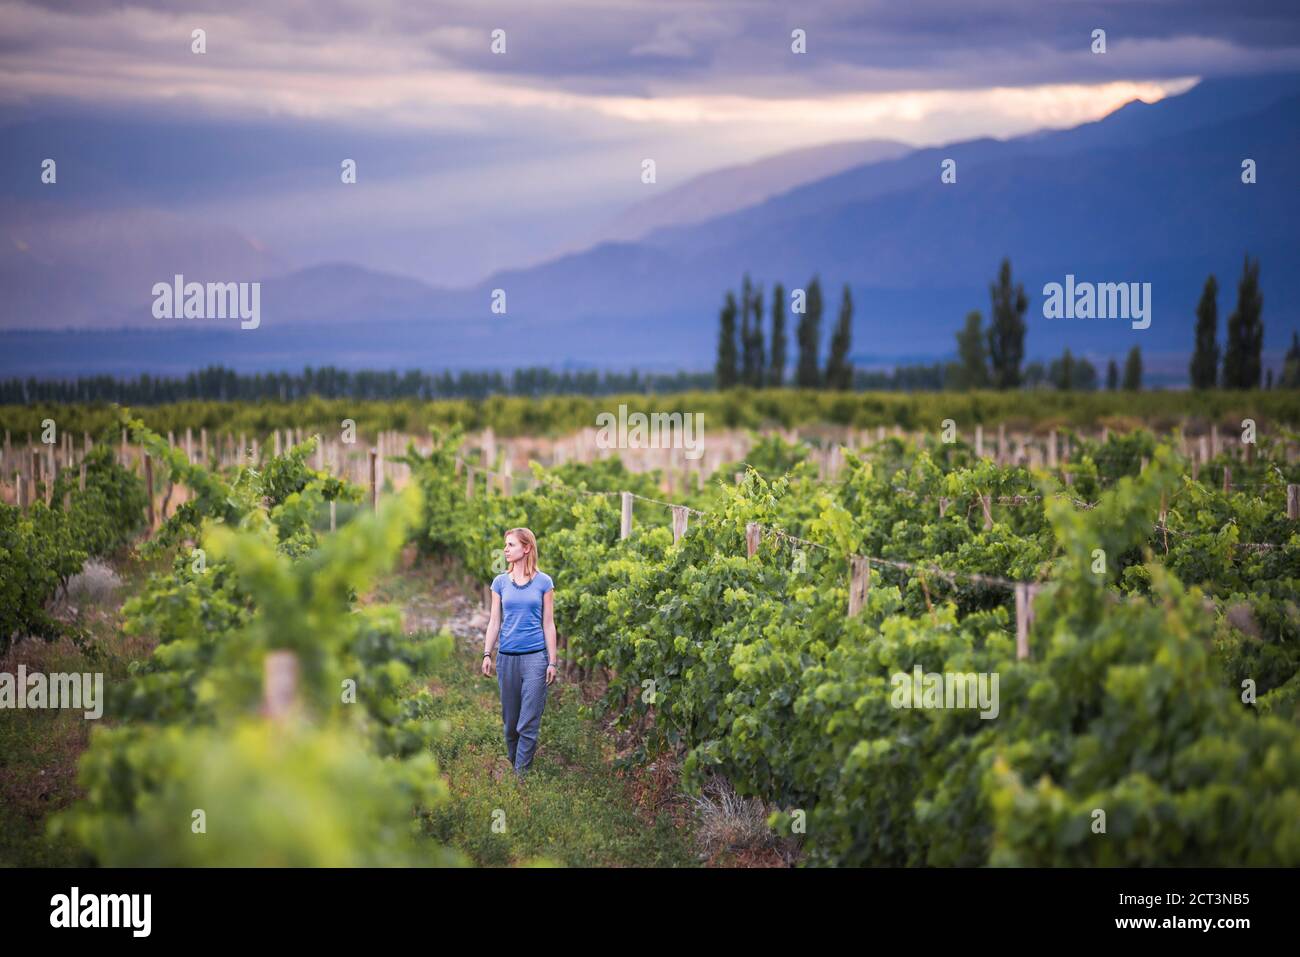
523,616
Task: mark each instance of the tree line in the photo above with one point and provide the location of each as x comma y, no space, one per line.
747,362
991,358
217,383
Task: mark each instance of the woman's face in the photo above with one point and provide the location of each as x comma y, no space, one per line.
513,550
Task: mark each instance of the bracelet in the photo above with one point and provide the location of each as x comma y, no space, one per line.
487,654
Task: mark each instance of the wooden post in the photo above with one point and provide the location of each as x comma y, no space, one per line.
1002,443
1196,467
979,441
18,490
1227,480
458,465
943,506
81,480
275,438
680,516
203,446
1051,450
148,487
333,514
374,489
1025,593
625,523
189,444
986,502
859,583
1143,466
279,684
1214,439
753,535
1293,502
126,462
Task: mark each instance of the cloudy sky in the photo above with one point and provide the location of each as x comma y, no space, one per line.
470,160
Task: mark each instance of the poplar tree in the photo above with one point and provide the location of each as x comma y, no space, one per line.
1241,361
726,367
1204,368
807,373
839,371
776,371
1006,329
1133,370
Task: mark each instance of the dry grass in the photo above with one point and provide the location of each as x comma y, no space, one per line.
733,830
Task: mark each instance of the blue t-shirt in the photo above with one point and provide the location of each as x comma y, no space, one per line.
521,612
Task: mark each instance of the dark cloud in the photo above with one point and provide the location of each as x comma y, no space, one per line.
628,46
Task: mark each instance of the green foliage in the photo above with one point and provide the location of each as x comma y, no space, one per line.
39,552
110,511
43,547
733,408
335,781
1130,703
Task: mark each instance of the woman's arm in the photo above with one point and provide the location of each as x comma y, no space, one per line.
493,630
548,629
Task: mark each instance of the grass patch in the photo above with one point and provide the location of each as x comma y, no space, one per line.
573,809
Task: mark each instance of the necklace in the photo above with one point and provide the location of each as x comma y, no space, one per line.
525,584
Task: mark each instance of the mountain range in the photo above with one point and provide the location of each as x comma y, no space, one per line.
1151,193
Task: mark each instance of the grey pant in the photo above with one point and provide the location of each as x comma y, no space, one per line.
522,679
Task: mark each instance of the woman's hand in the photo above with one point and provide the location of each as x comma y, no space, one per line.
550,674
489,668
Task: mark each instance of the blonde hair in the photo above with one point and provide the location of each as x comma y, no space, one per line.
529,541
